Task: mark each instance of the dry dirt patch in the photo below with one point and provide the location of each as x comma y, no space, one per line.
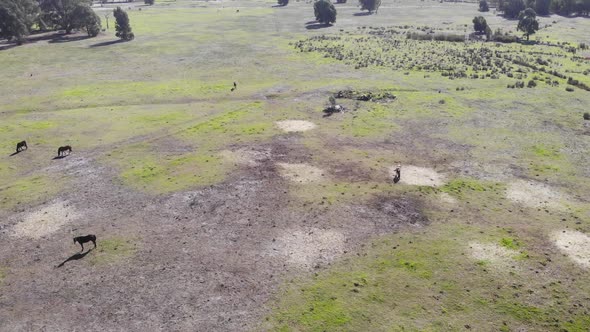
574,244
534,194
295,125
493,254
301,173
418,176
305,249
45,220
246,157
447,199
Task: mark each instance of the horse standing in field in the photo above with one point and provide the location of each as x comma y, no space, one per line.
83,239
21,146
63,149
398,174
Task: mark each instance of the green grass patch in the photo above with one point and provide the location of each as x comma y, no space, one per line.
112,250
510,243
466,186
28,190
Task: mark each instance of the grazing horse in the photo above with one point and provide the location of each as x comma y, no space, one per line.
21,146
398,174
84,239
62,150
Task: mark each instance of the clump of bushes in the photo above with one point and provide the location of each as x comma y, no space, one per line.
586,116
438,36
531,84
569,89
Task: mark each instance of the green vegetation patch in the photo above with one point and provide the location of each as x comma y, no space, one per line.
465,186
145,170
112,250
28,190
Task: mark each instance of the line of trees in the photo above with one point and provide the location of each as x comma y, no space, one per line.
512,8
19,17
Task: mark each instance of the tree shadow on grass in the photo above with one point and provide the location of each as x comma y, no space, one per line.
15,153
76,257
316,26
59,157
107,43
66,39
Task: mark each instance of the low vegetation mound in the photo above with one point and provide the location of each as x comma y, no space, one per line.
429,49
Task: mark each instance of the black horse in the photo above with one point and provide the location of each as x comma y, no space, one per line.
84,239
398,174
21,146
63,149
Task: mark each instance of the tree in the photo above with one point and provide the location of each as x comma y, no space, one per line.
283,2
122,25
16,18
340,1
324,11
86,18
542,7
527,22
483,6
148,2
370,5
512,8
479,24
60,13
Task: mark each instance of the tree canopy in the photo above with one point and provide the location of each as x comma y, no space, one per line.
512,8
483,6
283,2
122,24
16,18
60,13
85,18
480,24
370,5
324,11
527,22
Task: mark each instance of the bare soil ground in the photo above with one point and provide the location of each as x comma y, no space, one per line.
200,260
534,194
295,125
576,245
419,176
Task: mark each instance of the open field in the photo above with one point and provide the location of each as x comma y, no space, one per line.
253,210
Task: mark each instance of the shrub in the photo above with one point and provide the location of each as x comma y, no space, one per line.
586,116
122,25
531,84
483,6
283,2
569,89
370,5
148,2
324,11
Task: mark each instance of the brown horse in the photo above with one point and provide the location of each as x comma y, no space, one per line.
21,146
63,149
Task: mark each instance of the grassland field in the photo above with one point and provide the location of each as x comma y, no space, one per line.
200,227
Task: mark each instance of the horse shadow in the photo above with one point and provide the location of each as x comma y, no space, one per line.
59,157
76,257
